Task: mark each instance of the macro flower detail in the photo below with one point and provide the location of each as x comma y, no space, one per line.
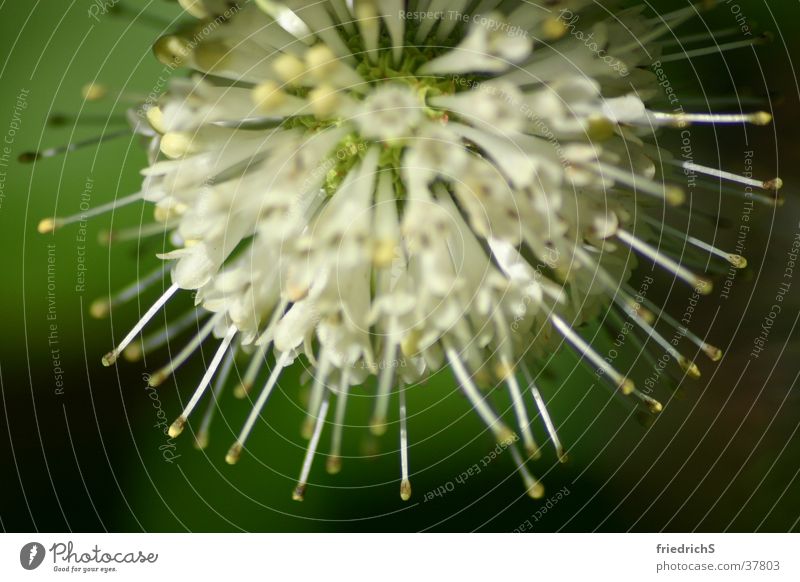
385,189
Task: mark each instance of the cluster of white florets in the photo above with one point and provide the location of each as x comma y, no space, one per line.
385,195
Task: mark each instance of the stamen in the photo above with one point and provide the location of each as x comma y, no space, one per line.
716,49
137,233
771,185
700,37
713,352
178,426
28,157
688,366
318,390
378,424
703,286
99,91
49,225
737,261
625,384
519,408
545,414
236,450
684,119
201,438
299,492
405,483
158,377
772,198
101,307
68,119
256,362
334,463
112,356
502,433
674,195
153,341
533,486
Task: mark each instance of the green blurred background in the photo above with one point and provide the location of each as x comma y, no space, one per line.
723,455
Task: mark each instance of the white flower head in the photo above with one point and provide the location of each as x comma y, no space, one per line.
383,196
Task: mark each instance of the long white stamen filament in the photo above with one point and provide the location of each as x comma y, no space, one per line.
257,361
683,119
688,366
378,424
318,390
674,195
112,356
502,433
179,424
737,261
299,492
236,449
519,409
102,306
48,225
156,339
703,286
28,157
201,438
713,352
584,349
700,37
334,462
137,233
405,483
772,185
158,377
545,414
713,50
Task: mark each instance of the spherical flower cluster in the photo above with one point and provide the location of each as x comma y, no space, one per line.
384,189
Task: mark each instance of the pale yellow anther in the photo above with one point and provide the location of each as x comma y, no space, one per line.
172,50
405,490
289,68
324,100
177,427
690,368
713,352
553,28
627,387
321,61
503,370
176,145
155,117
384,253
268,96
675,196
233,454
94,91
99,308
761,118
195,8
737,261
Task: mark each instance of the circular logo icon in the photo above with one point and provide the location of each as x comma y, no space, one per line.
31,555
